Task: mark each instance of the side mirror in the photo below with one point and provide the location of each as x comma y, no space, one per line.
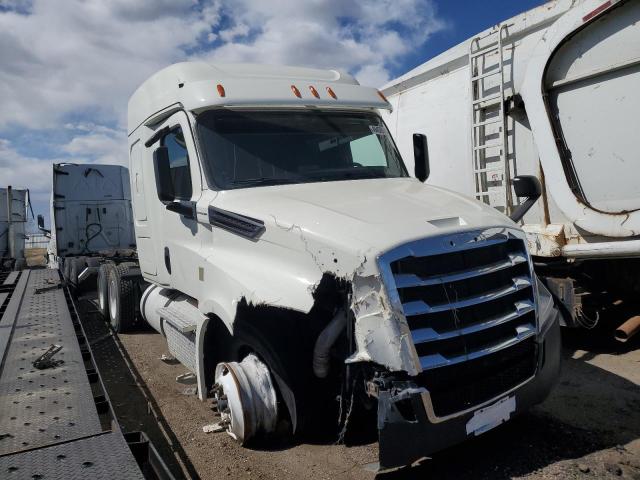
162,170
525,186
421,156
41,225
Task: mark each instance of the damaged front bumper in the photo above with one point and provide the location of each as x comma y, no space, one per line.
409,428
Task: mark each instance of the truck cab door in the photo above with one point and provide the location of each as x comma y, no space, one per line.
176,243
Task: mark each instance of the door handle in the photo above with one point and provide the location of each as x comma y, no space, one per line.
167,260
186,209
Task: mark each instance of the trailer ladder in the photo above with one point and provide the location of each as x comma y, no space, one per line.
488,124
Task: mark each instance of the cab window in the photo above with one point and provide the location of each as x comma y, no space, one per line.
179,163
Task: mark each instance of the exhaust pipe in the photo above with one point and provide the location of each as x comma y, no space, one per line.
326,339
628,329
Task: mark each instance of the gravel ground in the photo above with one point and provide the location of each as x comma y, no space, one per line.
589,427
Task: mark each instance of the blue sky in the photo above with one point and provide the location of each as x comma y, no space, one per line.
69,67
465,18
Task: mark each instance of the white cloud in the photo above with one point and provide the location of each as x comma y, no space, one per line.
374,74
99,145
365,37
70,66
89,56
23,171
237,31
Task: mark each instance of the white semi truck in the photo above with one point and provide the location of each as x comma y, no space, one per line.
554,93
293,260
13,218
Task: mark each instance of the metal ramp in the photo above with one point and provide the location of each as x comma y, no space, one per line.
55,422
488,123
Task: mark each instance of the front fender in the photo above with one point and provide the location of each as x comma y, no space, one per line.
261,273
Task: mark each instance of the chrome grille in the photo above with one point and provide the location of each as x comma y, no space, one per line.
464,296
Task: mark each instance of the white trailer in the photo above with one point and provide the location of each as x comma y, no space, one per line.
293,260
553,92
13,218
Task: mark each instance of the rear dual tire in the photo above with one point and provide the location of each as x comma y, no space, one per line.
121,297
103,288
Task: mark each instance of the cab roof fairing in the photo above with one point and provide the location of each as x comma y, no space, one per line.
193,86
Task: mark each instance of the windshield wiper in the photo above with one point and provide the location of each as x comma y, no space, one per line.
263,181
349,174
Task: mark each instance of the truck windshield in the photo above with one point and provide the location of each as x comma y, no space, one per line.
244,149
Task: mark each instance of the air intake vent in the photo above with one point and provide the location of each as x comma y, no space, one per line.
235,223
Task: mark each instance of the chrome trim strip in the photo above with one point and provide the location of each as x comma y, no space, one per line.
425,335
412,280
429,362
433,418
419,307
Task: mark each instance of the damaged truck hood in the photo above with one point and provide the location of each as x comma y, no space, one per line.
373,214
341,228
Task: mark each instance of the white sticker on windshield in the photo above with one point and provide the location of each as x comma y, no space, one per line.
377,129
333,142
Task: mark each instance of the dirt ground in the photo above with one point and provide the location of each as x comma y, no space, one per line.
589,427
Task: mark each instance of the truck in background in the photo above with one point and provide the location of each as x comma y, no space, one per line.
91,226
552,93
292,261
13,218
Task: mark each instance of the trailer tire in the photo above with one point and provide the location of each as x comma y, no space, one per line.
122,298
103,288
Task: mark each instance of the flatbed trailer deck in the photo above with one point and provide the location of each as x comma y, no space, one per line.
54,422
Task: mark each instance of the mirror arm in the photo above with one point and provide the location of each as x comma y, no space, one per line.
523,208
525,186
186,209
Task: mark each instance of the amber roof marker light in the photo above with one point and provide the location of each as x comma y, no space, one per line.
331,93
313,91
295,91
221,91
381,95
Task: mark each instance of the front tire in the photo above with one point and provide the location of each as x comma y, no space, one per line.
246,398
